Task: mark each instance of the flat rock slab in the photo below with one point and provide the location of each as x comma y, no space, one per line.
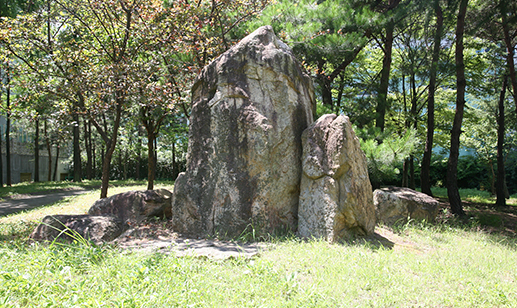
158,236
184,247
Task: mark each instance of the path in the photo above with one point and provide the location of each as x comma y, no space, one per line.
27,202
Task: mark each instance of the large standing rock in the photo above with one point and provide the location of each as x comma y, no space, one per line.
399,204
336,195
249,109
135,206
74,227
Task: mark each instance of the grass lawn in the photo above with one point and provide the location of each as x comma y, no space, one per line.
449,264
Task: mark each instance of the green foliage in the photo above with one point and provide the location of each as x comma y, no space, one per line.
325,35
472,172
385,152
10,8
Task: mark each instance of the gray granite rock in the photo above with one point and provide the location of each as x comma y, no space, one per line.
249,109
71,228
399,204
336,195
135,206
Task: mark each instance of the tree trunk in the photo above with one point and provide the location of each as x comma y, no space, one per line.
49,150
103,151
88,147
36,152
382,95
1,159
106,162
452,166
56,162
326,91
425,171
110,145
150,161
405,173
77,149
8,181
500,192
509,49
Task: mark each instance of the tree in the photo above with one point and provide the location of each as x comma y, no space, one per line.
452,166
428,150
8,77
326,36
500,188
29,39
10,8
110,36
386,44
410,56
384,155
509,27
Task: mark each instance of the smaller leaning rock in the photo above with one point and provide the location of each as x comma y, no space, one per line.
399,204
336,195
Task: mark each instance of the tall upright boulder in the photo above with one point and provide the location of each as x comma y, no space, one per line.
249,109
336,199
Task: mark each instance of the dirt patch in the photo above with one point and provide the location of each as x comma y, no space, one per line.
389,239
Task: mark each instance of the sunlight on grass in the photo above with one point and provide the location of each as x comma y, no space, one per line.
45,187
474,195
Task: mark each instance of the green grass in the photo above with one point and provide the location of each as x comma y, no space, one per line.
44,187
451,268
26,188
473,195
426,266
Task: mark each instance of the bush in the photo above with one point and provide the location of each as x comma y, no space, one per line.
384,154
472,172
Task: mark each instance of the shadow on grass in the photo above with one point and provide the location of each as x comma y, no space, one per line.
40,188
375,241
17,231
484,217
